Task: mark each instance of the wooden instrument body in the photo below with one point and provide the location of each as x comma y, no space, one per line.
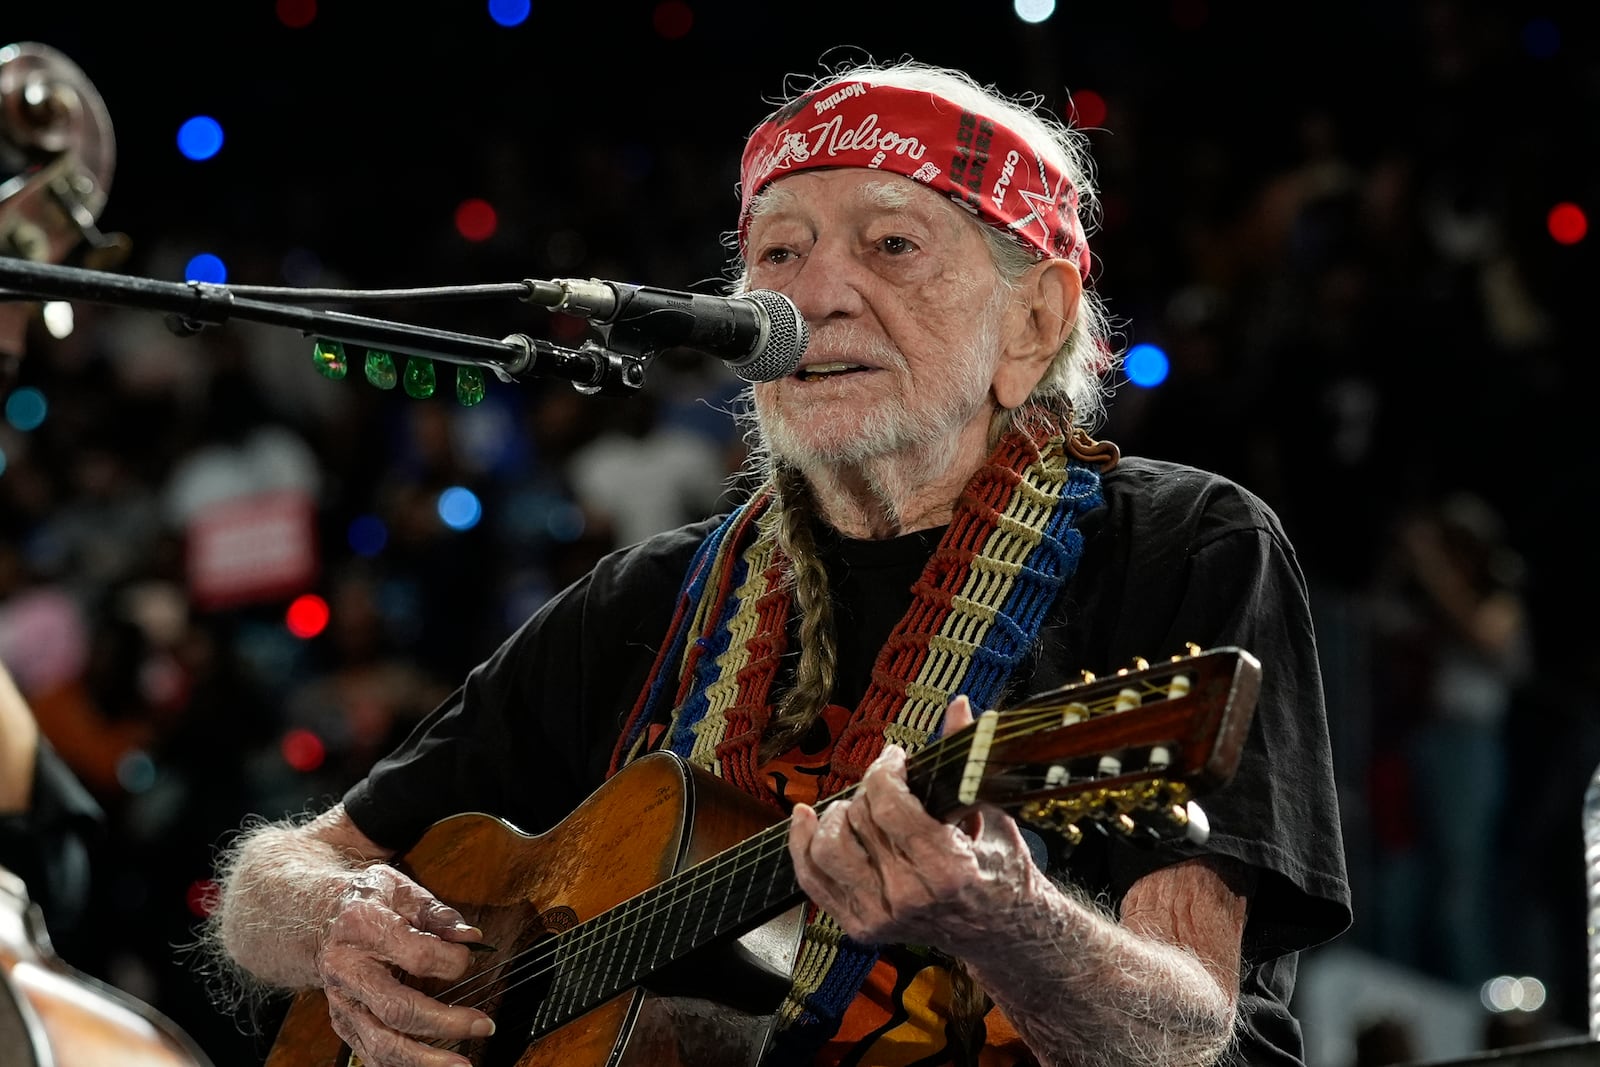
657,817
56,1016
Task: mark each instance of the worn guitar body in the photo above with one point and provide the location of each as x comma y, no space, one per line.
656,817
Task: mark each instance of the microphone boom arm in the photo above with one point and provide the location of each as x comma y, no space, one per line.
191,306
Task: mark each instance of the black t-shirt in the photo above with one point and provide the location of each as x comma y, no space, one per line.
1176,555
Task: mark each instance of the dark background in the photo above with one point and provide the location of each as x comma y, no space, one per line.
1331,216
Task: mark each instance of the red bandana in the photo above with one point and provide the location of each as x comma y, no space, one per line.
981,165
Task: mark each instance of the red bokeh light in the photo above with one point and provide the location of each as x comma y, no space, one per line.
476,220
307,616
302,750
673,19
1190,14
1087,108
297,14
568,327
201,897
1567,223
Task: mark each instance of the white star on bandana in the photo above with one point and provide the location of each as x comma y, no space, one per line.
1042,203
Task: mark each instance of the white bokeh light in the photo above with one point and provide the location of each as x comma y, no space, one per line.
1034,10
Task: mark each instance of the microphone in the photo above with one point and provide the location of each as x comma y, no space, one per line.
759,334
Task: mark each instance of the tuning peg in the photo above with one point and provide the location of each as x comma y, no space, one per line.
1196,827
1139,664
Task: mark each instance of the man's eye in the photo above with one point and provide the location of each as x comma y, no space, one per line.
896,245
777,255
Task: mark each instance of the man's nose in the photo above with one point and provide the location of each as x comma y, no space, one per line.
828,284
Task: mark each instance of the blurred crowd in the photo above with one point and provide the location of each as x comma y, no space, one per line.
1366,322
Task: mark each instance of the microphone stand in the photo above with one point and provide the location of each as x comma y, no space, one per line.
192,306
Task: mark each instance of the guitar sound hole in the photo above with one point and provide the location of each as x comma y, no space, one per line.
513,1025
514,1009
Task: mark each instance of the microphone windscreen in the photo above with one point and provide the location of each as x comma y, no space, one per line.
786,339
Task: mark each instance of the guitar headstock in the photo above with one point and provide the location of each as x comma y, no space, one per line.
1126,753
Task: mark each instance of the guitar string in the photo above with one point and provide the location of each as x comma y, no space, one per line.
617,924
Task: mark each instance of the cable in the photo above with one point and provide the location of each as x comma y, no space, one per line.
290,294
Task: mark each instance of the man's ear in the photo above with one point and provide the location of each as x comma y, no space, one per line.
1040,320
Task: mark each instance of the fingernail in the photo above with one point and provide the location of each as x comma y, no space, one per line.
483,1027
468,928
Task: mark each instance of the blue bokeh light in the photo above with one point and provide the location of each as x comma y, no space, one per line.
200,137
205,267
1146,365
26,409
1541,38
509,12
136,772
459,508
367,535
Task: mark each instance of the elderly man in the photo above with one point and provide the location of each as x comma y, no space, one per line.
936,532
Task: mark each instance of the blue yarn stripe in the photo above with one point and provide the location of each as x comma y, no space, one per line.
701,567
707,671
1038,584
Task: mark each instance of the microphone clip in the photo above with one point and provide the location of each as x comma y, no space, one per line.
616,373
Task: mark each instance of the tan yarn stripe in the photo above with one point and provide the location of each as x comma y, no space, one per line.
822,938
993,574
724,692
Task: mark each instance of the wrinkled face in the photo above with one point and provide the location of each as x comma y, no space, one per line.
905,308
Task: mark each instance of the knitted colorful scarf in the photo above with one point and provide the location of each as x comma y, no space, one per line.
975,611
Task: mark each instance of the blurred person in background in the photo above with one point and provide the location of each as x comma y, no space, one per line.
1453,652
49,823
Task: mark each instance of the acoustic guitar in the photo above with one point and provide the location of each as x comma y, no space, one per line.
656,924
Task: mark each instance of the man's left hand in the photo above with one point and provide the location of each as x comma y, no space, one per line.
887,871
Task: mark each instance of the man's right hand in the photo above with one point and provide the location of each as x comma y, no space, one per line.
387,924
